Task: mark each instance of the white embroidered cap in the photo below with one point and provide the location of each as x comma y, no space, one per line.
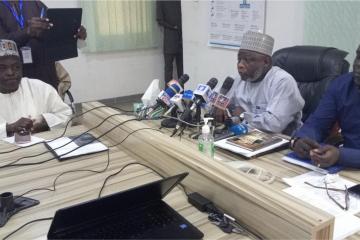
8,48
257,42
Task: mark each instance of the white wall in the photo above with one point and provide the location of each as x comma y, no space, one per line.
284,22
108,75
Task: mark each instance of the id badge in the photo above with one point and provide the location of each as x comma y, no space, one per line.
26,54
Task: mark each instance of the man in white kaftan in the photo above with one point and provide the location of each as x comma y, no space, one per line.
266,97
26,103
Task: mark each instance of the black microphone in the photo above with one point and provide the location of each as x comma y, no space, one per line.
183,79
225,88
222,101
202,93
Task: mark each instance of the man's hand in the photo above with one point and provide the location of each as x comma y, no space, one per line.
39,125
325,156
37,25
303,146
81,33
22,123
219,115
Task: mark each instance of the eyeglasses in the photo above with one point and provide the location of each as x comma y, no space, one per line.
346,192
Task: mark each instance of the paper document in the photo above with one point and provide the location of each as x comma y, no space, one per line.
345,222
68,147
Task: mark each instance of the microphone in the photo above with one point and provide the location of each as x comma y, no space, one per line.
203,92
222,102
163,99
176,102
228,83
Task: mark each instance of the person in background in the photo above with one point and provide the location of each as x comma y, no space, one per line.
26,104
24,22
341,104
266,97
168,15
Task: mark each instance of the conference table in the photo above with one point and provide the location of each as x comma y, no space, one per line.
80,185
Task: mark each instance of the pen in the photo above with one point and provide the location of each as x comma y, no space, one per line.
42,12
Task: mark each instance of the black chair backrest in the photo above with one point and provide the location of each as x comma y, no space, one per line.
313,68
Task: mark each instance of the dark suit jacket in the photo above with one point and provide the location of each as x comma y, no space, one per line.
168,15
41,68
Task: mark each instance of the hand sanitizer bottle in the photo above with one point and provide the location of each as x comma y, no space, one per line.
206,140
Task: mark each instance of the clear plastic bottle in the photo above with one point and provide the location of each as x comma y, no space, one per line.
206,140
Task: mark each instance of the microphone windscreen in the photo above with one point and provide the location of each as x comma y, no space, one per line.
212,83
229,81
183,79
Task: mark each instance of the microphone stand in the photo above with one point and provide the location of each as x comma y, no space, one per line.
170,122
197,121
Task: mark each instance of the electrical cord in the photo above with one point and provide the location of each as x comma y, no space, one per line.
146,128
42,153
12,164
180,120
22,226
66,127
118,172
82,170
53,189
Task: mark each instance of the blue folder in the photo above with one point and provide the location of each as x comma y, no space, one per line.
307,163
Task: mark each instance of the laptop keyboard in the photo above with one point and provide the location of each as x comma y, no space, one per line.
135,225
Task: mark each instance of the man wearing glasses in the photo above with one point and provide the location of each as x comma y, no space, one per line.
340,103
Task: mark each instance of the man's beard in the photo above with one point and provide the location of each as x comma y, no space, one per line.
258,75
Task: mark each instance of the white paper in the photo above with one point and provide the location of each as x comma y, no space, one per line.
345,226
223,144
33,141
64,145
318,197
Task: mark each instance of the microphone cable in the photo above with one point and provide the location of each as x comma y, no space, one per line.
85,170
53,189
12,164
24,225
66,127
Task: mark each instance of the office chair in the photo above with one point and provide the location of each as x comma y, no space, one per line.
313,68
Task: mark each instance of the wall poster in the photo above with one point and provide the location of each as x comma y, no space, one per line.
229,20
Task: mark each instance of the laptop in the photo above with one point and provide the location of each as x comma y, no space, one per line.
59,40
137,213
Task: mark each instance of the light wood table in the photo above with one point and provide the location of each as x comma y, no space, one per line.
77,187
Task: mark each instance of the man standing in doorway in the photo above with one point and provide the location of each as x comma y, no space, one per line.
168,15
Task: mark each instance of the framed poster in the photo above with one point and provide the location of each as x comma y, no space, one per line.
229,20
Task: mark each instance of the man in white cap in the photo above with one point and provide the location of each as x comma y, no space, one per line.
265,96
26,104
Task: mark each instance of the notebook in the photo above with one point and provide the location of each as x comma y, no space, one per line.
59,41
73,146
252,144
294,159
137,213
